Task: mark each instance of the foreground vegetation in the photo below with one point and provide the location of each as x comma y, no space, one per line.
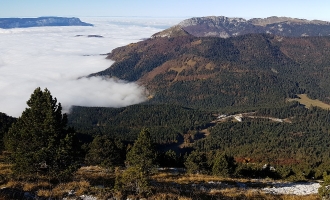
44,157
99,182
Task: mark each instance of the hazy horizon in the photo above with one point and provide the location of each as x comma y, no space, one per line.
317,9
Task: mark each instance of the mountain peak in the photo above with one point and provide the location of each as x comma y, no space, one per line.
275,19
224,27
215,20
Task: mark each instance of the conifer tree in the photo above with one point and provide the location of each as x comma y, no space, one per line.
324,190
104,152
223,165
5,123
196,162
140,161
142,154
40,139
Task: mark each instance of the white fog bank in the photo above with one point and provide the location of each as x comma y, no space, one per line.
55,57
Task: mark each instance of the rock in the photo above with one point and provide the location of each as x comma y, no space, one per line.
224,27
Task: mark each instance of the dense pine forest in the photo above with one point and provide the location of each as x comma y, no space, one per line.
167,123
300,141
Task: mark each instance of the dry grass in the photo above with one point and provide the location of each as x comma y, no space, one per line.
168,196
45,193
303,99
168,186
44,188
13,184
5,169
27,186
96,176
79,188
93,172
199,178
192,178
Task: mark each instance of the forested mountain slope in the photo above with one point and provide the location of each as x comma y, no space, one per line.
254,70
167,123
299,142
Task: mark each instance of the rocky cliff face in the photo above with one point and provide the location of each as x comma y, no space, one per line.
225,27
7,23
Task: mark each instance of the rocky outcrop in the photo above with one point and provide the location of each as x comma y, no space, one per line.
225,27
7,23
174,31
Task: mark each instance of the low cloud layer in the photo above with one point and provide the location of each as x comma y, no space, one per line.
53,58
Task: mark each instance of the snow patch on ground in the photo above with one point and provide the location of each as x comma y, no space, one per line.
293,188
83,197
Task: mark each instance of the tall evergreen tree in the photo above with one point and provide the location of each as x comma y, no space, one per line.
142,154
140,161
223,165
5,122
40,139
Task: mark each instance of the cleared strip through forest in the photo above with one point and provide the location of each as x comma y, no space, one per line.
305,100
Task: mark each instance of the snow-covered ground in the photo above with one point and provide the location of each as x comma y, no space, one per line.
293,188
276,188
83,197
267,186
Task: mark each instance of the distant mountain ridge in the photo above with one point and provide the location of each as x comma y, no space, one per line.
7,23
224,27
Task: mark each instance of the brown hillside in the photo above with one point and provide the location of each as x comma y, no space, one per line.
245,70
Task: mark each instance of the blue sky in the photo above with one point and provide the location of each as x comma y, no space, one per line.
307,9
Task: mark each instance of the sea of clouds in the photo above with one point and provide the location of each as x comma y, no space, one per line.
55,58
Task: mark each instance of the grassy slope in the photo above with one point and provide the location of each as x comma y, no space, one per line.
305,100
